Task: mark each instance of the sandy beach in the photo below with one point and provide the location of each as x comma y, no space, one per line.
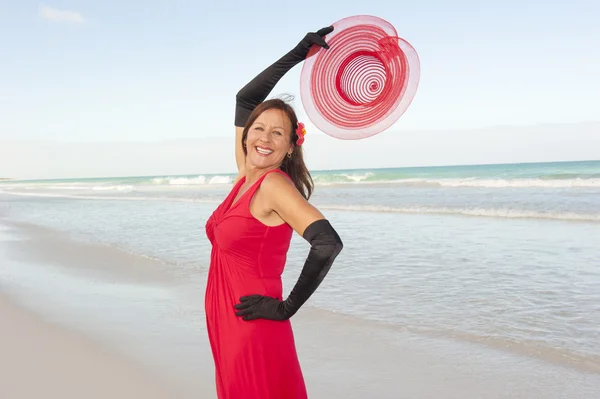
59,341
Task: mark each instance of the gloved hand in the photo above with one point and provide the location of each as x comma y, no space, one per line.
325,247
312,38
257,90
260,307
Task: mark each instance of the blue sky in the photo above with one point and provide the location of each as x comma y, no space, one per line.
132,70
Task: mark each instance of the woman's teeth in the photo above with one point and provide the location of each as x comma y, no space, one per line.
263,151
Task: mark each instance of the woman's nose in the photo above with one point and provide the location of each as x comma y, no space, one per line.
265,137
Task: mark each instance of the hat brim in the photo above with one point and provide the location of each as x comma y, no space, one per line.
363,83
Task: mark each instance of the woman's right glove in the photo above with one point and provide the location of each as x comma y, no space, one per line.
257,90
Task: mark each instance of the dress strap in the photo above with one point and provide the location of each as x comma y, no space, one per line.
257,184
249,194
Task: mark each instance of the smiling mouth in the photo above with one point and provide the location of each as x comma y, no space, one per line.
263,151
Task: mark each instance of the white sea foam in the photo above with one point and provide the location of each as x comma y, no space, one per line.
110,198
514,183
124,188
467,182
358,177
485,212
199,180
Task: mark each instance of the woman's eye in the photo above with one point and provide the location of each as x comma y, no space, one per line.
277,132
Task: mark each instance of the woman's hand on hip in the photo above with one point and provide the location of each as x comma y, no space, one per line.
254,307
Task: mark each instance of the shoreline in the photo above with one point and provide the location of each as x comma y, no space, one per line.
350,357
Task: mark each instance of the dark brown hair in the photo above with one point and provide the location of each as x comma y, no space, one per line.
293,166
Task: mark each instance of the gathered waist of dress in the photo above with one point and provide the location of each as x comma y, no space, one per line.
253,284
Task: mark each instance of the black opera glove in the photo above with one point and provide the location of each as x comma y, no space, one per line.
253,307
257,90
325,247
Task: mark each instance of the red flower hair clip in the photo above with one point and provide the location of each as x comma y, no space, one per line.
300,132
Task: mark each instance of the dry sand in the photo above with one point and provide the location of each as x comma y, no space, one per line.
41,360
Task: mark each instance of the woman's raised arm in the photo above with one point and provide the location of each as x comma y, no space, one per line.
257,90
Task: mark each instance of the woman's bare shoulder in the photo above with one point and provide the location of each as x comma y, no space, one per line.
282,197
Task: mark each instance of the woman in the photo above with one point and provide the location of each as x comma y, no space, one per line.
247,318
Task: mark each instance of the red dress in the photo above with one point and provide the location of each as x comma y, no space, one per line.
253,359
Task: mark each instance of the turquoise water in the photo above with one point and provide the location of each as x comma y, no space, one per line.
584,173
501,255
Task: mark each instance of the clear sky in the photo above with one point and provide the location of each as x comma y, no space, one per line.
151,70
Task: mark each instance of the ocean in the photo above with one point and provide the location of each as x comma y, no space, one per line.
505,256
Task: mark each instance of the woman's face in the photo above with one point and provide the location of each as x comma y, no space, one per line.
269,140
